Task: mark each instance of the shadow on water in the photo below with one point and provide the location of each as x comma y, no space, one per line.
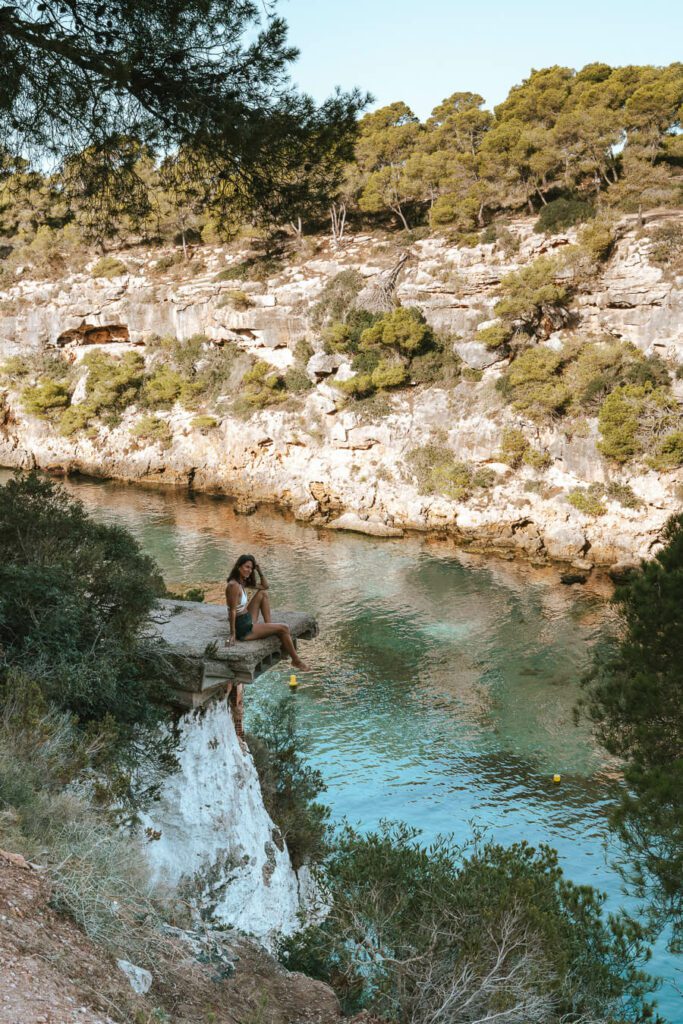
444,683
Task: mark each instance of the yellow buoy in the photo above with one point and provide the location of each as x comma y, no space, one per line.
557,778
292,682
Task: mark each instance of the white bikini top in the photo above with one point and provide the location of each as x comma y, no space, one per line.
241,607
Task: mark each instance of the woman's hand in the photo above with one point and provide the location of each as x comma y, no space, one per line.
231,641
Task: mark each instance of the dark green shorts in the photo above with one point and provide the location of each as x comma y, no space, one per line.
243,625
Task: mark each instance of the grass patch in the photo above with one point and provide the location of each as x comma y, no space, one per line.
438,472
109,267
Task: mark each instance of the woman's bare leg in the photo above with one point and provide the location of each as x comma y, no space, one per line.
260,602
281,631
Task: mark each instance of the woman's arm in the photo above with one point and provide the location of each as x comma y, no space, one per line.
263,582
231,595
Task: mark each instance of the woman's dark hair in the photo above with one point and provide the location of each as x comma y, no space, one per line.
234,574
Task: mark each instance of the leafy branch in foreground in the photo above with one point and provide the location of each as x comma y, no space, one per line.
208,78
634,696
462,934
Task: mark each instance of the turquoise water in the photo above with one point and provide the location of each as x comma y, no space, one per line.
444,684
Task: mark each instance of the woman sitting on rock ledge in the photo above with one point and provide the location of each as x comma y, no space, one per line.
243,613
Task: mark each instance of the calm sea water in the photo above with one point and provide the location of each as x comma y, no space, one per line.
444,683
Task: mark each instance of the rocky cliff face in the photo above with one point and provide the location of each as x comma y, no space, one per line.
330,460
211,830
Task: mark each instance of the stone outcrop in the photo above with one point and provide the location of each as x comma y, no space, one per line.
328,461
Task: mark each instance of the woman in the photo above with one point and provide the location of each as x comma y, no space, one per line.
243,613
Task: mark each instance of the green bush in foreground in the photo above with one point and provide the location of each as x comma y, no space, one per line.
634,696
563,213
469,933
154,430
74,594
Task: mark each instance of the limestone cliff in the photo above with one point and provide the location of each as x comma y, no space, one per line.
343,463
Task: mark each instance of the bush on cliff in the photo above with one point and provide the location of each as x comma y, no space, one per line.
289,786
74,595
467,933
438,472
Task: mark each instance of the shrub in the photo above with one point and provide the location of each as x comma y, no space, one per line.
337,297
528,294
597,239
438,472
533,383
513,447
112,385
489,235
537,459
289,786
74,595
508,242
360,386
624,494
297,380
405,331
669,452
204,423
588,500
561,214
666,245
440,364
109,266
45,398
495,335
16,368
239,300
469,933
639,418
238,272
389,375
262,386
162,387
154,430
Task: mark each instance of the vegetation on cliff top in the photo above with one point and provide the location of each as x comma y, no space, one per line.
566,144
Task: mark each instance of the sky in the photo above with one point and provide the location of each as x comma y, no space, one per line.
421,51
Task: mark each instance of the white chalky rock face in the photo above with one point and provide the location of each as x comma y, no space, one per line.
215,829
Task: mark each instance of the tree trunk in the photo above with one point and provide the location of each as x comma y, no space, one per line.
399,213
541,196
338,219
297,228
480,215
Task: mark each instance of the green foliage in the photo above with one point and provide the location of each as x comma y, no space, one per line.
262,386
666,245
588,500
636,419
533,384
74,594
537,459
634,696
163,387
111,386
438,472
528,294
597,239
467,933
296,380
289,786
563,213
97,873
668,454
439,365
513,446
389,374
211,98
239,300
153,430
404,331
45,398
337,298
204,423
495,335
109,267
624,494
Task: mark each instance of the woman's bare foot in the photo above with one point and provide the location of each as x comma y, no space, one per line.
301,666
